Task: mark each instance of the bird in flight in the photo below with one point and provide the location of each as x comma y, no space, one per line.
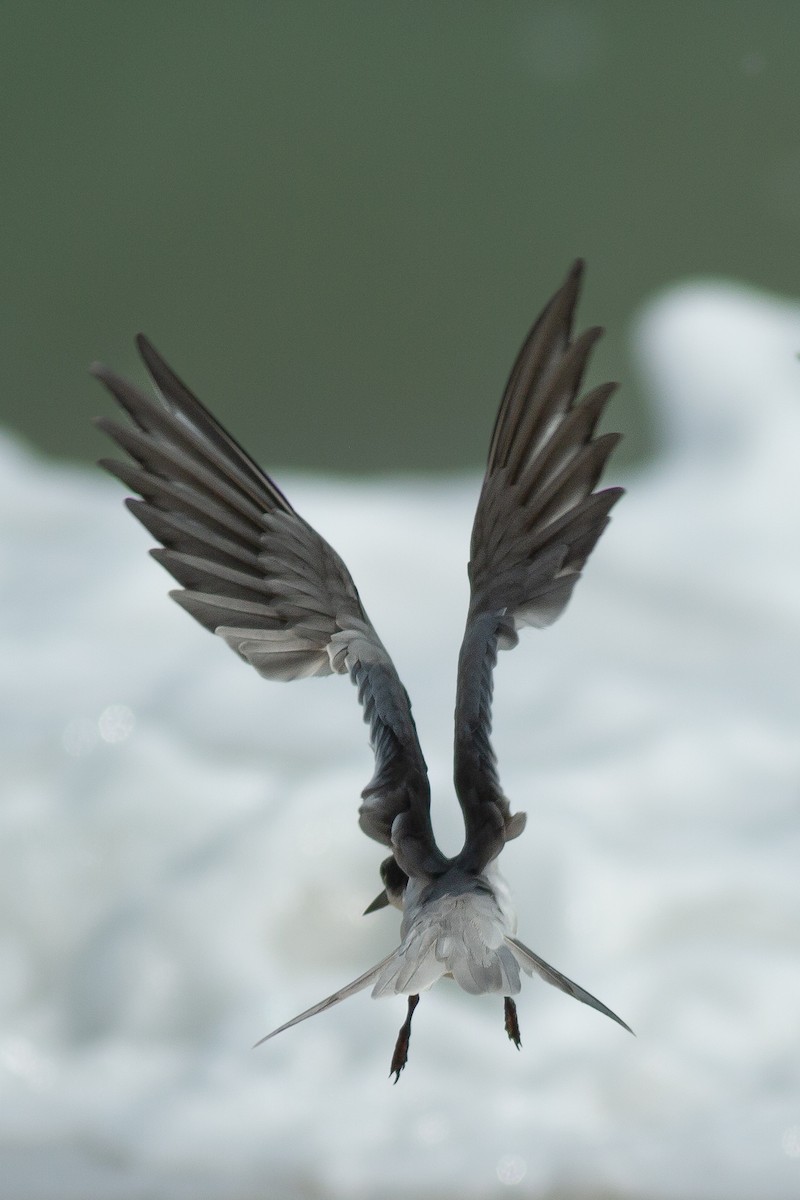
251,570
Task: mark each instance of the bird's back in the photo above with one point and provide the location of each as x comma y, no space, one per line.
457,925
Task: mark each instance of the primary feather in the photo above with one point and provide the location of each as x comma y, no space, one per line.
537,520
255,573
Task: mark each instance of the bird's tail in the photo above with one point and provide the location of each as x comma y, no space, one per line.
364,981
531,963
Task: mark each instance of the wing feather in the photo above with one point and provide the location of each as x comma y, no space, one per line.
532,964
251,570
537,521
350,989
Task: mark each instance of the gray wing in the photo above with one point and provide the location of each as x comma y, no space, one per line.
537,520
531,963
255,573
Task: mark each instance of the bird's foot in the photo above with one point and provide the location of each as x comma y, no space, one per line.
512,1024
400,1056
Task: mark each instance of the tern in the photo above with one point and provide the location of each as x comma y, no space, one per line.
252,571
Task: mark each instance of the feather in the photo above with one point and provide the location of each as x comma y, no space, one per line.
537,520
255,573
533,965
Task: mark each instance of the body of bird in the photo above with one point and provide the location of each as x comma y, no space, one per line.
256,574
456,925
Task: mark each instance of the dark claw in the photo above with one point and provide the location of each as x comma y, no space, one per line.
512,1024
400,1056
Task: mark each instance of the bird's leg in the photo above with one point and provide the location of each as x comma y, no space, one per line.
512,1024
400,1056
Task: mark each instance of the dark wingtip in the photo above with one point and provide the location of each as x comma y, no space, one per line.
110,464
574,278
150,356
572,285
607,1012
613,494
155,364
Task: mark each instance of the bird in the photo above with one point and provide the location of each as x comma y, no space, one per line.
255,573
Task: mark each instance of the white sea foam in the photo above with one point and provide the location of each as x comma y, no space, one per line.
181,868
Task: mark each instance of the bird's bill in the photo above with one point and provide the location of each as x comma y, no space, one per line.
344,993
531,963
380,901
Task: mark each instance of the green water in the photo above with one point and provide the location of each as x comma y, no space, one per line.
338,219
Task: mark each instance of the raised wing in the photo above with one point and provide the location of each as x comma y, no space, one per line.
538,519
254,572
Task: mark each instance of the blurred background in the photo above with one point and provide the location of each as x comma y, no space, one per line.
337,220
